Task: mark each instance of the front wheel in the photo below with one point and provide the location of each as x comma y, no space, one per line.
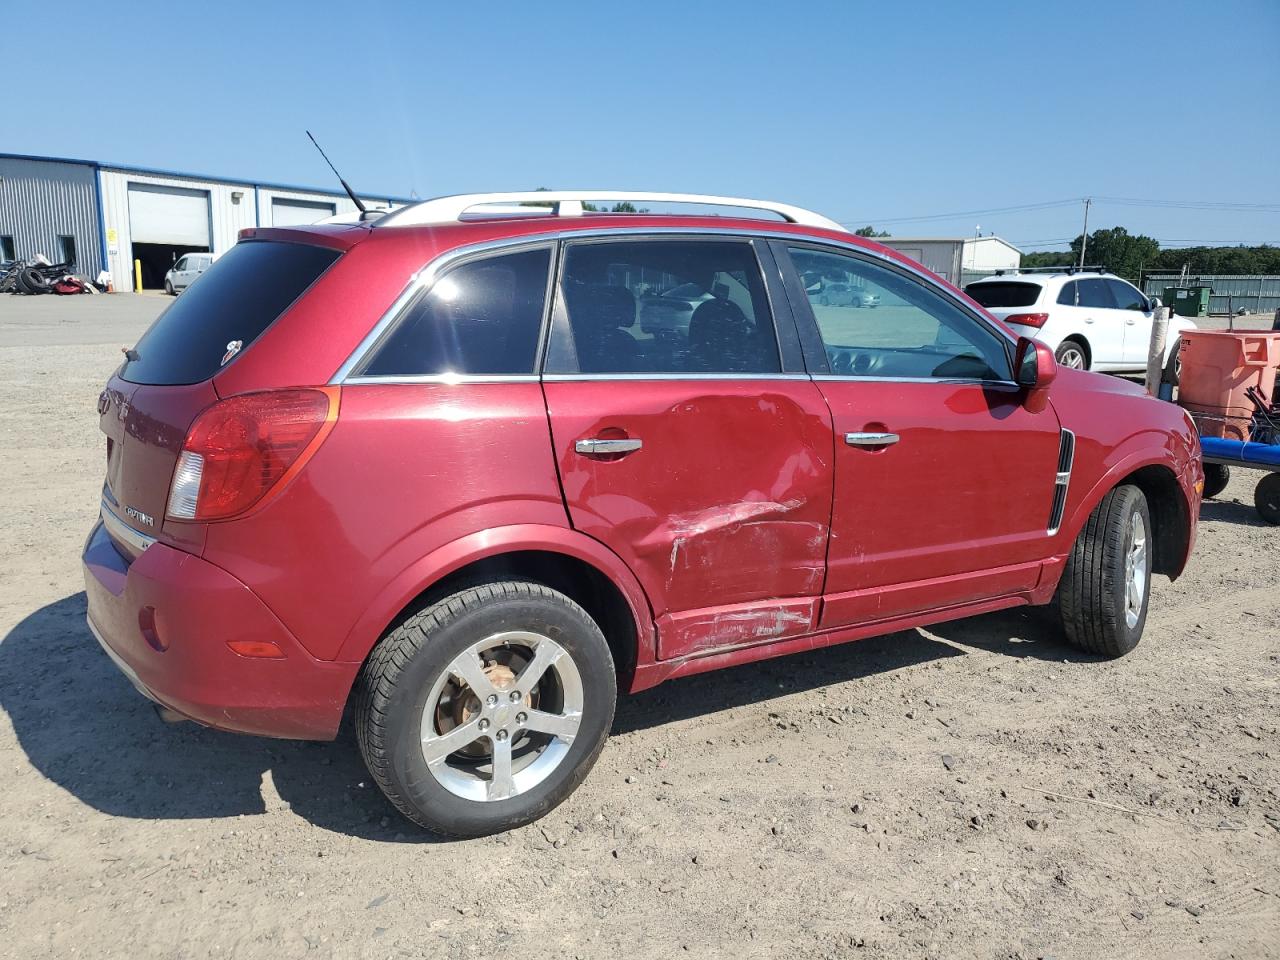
168,288
484,711
1071,353
1106,583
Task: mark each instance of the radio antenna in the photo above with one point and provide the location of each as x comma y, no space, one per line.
345,186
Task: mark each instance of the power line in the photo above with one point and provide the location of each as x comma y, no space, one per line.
963,213
1236,207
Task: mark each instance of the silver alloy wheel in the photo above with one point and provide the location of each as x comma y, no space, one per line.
1073,357
1135,571
504,744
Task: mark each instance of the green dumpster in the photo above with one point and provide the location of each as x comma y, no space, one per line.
1191,301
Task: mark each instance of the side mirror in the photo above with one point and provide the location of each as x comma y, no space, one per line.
1153,304
1035,366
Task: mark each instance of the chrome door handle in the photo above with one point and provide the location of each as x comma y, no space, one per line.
596,446
871,439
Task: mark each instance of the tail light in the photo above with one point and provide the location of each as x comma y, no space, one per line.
1028,319
241,449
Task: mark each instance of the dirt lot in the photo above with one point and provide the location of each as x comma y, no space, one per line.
977,790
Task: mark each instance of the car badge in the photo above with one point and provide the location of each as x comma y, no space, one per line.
232,349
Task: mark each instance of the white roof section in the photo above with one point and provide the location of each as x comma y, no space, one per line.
569,203
890,241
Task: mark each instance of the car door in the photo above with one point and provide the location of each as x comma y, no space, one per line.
1100,322
692,443
944,472
1134,312
178,276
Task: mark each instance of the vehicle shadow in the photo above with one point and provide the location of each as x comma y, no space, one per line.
1232,511
84,727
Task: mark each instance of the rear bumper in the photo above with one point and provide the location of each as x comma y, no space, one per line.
197,608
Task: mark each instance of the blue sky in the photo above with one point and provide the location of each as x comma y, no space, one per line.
868,112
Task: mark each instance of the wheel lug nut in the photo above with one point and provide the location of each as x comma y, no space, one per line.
515,696
502,734
521,718
484,724
492,700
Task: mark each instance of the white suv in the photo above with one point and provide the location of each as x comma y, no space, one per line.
1093,321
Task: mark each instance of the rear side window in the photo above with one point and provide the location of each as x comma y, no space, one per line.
1095,293
1004,293
1068,295
664,307
234,302
483,317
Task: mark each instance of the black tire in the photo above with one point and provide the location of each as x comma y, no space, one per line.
1091,598
1172,368
1266,497
168,288
30,282
1065,351
401,672
1216,478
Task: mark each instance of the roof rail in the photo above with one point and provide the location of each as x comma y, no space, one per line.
1065,268
568,203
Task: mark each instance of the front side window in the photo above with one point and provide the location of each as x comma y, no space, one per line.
180,265
1127,297
480,318
664,307
877,322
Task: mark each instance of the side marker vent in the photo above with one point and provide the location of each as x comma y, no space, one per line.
1066,457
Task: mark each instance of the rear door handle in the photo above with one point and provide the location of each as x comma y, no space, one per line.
871,439
599,446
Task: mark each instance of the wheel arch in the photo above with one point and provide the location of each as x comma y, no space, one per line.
1166,502
559,558
1081,339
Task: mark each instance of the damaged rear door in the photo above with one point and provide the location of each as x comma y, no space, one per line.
689,439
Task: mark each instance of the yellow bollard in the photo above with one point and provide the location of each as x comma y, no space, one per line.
137,276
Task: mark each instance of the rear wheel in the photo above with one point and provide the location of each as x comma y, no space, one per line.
1216,478
1071,353
1266,497
484,711
1173,367
1102,597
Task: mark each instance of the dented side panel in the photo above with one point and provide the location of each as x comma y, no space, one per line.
726,503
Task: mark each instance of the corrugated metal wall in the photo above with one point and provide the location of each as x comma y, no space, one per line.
1255,293
42,199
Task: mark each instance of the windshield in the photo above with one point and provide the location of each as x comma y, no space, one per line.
223,312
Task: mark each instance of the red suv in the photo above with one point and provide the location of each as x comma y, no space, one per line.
468,468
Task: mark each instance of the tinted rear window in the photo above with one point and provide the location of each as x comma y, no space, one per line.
1004,293
236,299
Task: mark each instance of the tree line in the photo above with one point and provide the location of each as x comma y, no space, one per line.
1133,256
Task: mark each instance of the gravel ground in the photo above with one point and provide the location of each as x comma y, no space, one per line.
978,789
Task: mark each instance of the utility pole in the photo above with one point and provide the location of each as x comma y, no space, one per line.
1084,236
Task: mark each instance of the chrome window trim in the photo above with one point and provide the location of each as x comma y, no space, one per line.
958,381
450,379
569,377
122,531
431,270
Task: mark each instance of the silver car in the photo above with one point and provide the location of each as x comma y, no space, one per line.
183,273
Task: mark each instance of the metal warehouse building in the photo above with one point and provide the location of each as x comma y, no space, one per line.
958,259
103,216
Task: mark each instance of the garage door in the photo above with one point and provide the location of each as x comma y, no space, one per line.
169,215
292,213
